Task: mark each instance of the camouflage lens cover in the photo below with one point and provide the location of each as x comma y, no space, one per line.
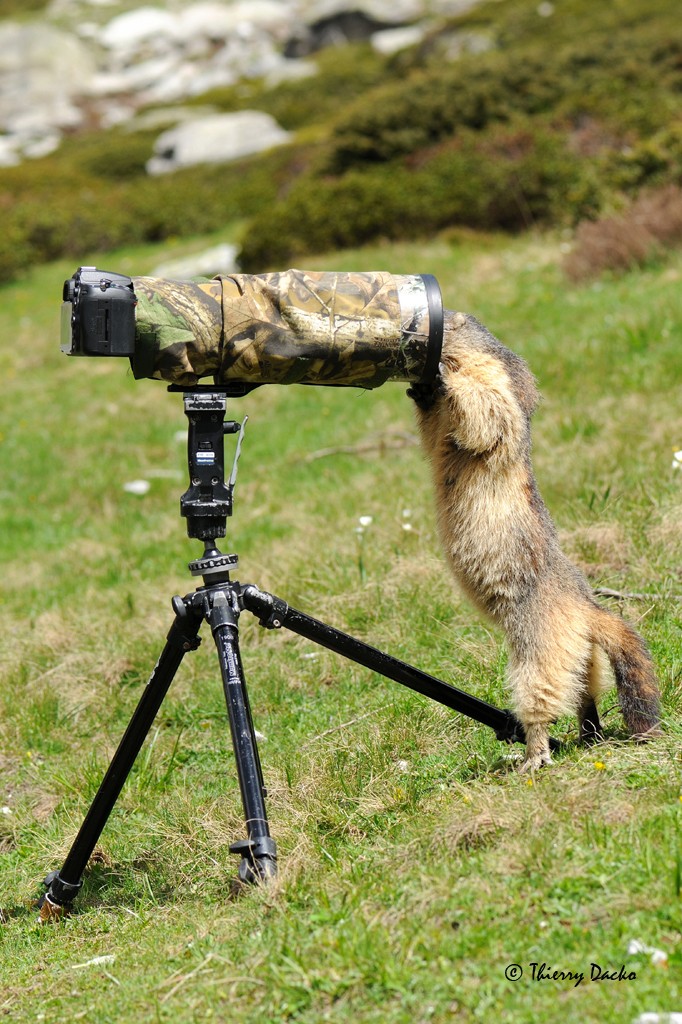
292,327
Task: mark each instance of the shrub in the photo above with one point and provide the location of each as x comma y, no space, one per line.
402,118
115,155
653,222
630,80
650,161
58,207
511,178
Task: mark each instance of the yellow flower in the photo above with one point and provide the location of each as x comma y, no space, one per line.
600,766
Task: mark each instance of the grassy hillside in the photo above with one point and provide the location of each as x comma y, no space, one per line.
416,865
553,119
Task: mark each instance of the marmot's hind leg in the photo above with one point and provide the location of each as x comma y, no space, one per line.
537,748
588,722
590,730
549,681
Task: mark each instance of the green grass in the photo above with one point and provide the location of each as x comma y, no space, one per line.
415,865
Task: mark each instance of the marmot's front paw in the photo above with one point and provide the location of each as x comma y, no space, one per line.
426,394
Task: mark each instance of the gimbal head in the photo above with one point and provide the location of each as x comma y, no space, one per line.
207,502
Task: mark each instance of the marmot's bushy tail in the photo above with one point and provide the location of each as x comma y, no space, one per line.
634,671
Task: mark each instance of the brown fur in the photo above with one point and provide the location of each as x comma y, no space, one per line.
503,549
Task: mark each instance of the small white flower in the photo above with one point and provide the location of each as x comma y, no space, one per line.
407,527
407,513
365,521
402,766
5,810
137,486
658,956
677,459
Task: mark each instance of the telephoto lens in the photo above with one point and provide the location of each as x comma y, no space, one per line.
322,328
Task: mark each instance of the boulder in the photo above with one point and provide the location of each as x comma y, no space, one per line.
217,21
392,40
142,26
42,71
218,138
336,22
382,12
158,53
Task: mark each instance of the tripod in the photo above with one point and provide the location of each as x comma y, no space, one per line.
219,601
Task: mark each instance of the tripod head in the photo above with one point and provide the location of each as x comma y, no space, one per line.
207,502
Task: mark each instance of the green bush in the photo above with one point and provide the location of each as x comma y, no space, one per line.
654,160
115,155
629,82
513,177
54,208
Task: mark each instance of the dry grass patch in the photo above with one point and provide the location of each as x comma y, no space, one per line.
653,222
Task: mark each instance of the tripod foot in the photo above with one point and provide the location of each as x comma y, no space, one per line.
56,903
259,862
49,911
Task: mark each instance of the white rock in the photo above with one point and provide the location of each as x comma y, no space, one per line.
179,82
9,156
130,30
41,69
387,12
218,138
141,75
209,20
392,40
43,146
218,21
220,259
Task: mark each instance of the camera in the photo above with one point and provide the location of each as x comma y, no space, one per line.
98,314
290,327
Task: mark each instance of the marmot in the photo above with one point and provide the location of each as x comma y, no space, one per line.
503,548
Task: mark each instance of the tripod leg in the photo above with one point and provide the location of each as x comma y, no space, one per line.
273,612
259,851
63,886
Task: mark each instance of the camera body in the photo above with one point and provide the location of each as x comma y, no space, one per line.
98,314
